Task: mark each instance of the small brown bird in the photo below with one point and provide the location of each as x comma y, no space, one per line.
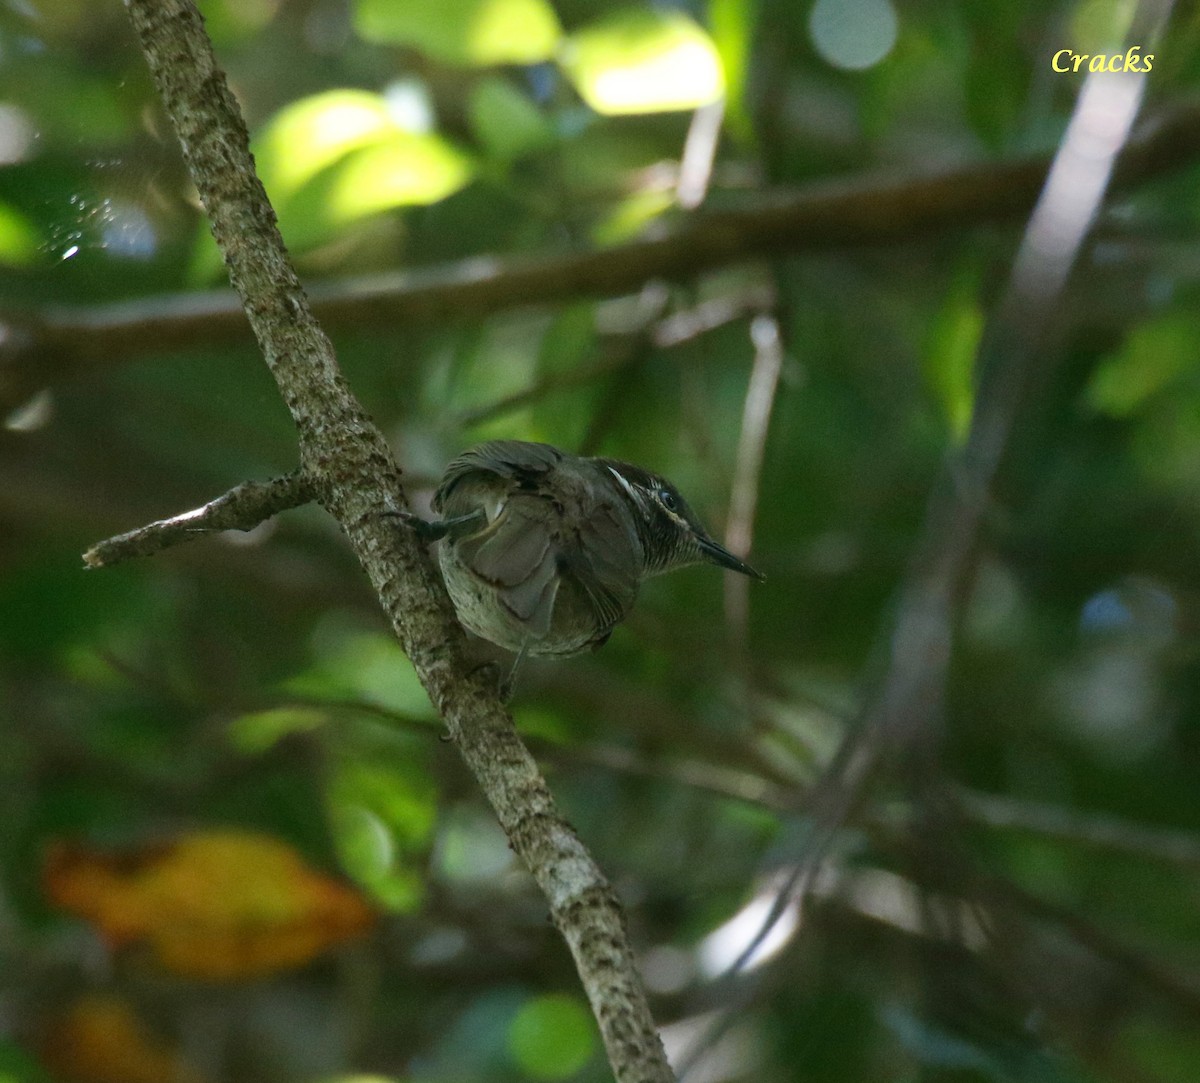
545,551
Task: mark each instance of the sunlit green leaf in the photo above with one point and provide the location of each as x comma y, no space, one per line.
632,215
19,241
506,121
732,23
256,732
950,355
335,158
400,792
408,170
370,667
312,133
475,32
552,1037
1152,358
382,814
644,61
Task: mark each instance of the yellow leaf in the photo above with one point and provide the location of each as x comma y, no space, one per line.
221,905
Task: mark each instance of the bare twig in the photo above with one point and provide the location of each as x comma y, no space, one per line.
752,445
346,460
699,152
1090,829
52,344
668,332
242,508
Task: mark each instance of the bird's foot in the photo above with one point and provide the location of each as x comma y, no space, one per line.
432,531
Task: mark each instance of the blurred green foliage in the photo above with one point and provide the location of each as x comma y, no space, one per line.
248,680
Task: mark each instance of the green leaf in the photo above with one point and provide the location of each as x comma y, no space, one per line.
19,241
950,354
230,22
409,170
467,32
996,79
631,216
311,134
383,813
1151,360
256,732
642,61
732,23
552,1037
1100,26
367,666
17,1066
506,122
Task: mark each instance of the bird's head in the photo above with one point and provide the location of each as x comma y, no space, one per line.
671,533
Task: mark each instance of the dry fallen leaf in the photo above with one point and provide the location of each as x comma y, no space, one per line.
221,905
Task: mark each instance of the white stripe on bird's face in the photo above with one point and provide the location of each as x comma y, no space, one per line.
633,494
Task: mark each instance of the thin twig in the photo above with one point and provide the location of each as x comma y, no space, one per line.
699,152
244,507
747,475
1091,829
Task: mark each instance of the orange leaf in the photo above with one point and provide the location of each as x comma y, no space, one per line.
213,904
101,1040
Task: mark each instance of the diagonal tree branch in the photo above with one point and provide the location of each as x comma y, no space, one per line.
346,461
58,342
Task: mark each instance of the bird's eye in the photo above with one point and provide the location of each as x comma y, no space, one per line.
668,499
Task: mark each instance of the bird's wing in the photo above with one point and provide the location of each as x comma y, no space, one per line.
517,556
517,460
600,562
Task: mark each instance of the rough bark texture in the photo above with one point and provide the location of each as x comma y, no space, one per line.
242,508
351,471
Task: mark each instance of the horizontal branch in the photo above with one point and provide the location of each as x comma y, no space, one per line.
1090,829
242,508
57,342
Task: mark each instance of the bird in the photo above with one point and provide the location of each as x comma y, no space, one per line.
543,551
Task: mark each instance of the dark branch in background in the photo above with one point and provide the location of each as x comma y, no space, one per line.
904,716
242,508
348,467
899,730
53,344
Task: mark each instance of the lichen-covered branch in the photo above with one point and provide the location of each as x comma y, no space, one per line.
242,508
348,465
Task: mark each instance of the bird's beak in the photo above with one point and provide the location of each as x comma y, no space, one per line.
719,555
